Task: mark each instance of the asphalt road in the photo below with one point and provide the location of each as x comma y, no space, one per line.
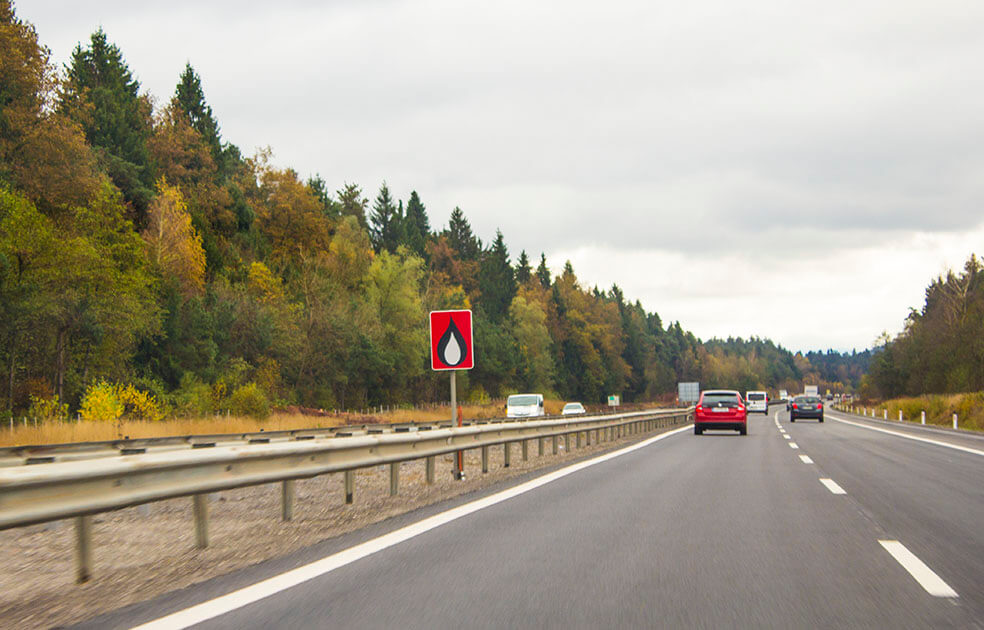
688,531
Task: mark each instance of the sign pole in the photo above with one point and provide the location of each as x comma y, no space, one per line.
454,411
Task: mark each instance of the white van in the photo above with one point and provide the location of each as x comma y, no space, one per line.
524,405
757,401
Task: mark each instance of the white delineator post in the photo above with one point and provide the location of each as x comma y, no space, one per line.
884,414
923,417
954,421
900,415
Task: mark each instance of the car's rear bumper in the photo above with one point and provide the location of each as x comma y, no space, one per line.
727,424
806,414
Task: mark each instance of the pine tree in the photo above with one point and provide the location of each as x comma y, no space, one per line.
190,97
496,280
352,203
385,221
460,236
320,190
102,96
416,226
523,269
542,272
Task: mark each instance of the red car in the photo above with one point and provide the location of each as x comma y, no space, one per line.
720,409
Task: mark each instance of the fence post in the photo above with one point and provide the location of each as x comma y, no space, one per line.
923,417
200,505
394,479
349,485
83,548
429,467
287,499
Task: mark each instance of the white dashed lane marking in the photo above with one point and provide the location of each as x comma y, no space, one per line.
832,486
926,577
806,459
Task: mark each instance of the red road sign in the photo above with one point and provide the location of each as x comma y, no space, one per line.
451,340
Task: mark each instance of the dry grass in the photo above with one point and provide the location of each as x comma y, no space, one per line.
939,409
62,432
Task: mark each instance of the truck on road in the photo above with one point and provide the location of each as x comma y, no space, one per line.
811,390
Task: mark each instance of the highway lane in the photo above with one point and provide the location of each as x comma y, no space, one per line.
927,495
689,531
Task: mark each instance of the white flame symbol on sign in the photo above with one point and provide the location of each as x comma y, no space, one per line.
450,348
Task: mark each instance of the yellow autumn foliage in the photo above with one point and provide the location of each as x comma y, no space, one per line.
172,241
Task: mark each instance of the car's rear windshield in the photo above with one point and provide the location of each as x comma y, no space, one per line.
522,400
807,399
720,399
572,406
752,396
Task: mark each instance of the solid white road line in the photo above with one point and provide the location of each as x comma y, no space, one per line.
806,459
271,586
927,579
832,486
793,445
965,449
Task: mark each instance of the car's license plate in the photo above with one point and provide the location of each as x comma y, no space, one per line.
721,409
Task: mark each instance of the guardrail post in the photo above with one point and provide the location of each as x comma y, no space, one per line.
83,548
287,499
505,454
526,450
555,441
567,442
394,479
580,441
485,459
349,485
200,508
923,417
540,447
429,470
587,437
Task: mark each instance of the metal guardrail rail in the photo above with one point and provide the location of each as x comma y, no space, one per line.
30,454
79,489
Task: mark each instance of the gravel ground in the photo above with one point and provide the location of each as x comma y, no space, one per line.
142,552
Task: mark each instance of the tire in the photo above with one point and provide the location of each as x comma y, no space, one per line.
821,418
743,430
698,430
792,419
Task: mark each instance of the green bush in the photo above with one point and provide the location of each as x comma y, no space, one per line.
193,398
249,400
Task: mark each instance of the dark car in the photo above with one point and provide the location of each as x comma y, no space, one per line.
721,409
806,407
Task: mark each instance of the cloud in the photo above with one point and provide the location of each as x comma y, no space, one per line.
715,136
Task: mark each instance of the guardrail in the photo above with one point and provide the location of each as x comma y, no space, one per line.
79,489
30,454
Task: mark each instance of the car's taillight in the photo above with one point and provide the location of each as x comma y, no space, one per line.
794,406
820,406
698,409
741,408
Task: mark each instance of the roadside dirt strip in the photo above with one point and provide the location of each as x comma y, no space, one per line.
145,551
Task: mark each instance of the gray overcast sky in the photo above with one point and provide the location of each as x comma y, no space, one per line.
793,170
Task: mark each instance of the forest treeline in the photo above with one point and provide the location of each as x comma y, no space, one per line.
142,252
941,348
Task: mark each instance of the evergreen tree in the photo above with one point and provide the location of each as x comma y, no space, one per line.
385,221
496,280
460,236
416,226
102,96
542,272
320,190
190,97
351,203
523,270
